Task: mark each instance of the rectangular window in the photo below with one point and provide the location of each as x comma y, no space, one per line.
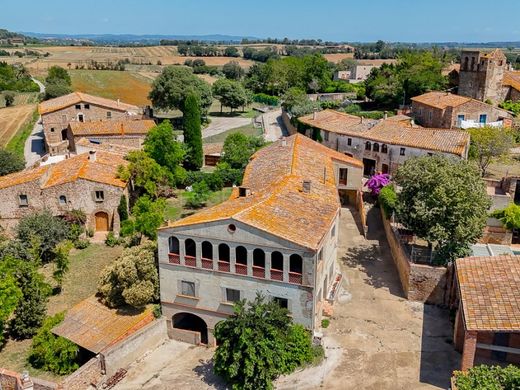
282,302
349,141
343,173
402,151
482,118
87,106
232,295
78,106
100,196
460,118
52,129
188,288
109,114
326,135
23,200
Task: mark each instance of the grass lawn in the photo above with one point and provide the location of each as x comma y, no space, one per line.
249,112
176,207
500,169
17,143
80,282
248,129
130,87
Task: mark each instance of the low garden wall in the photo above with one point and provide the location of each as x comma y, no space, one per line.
291,129
88,374
186,336
420,282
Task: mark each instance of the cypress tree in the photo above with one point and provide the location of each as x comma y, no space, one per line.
122,209
192,133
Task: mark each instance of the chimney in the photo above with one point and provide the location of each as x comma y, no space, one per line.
385,115
412,122
244,191
284,142
314,115
306,186
92,155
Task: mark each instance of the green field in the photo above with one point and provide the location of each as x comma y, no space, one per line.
249,129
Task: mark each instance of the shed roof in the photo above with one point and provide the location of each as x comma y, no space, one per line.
81,97
490,292
277,204
95,327
389,131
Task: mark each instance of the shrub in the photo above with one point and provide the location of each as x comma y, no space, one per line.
325,323
90,232
157,312
488,377
214,181
9,98
10,162
266,99
388,200
53,353
81,244
198,195
132,279
122,209
111,240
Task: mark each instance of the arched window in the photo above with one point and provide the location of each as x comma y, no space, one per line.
295,269
368,145
189,248
277,261
207,250
241,260
63,200
223,253
259,263
376,147
173,244
384,148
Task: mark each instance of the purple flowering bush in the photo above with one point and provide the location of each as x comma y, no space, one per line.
376,182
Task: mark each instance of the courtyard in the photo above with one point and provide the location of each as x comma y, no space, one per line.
376,338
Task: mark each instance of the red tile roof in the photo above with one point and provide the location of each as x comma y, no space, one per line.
112,127
393,132
512,79
277,204
441,100
80,97
490,292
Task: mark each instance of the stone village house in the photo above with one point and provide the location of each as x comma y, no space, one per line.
446,110
384,144
277,234
58,113
87,182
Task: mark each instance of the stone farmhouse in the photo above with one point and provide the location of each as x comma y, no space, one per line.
87,182
487,325
384,144
126,132
277,234
447,111
487,76
78,107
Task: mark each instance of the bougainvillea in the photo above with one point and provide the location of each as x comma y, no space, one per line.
376,182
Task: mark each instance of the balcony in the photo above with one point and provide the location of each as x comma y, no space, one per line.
295,277
207,263
276,274
223,266
258,272
174,258
241,269
190,261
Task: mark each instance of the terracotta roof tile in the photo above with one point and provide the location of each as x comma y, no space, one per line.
512,79
212,148
122,150
79,97
490,292
441,100
95,327
112,127
277,204
22,177
390,131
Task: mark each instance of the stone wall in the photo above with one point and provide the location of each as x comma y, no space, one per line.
420,282
186,336
10,380
291,129
88,374
135,346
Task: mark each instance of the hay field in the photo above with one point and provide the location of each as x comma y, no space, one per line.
337,57
129,87
12,119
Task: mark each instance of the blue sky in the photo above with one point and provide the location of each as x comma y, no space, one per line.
345,20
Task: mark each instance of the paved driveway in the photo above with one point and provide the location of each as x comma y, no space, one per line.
388,342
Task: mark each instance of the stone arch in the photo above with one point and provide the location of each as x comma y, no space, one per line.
191,322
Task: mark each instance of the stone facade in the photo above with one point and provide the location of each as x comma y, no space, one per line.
451,117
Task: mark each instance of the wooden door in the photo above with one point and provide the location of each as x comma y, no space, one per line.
101,222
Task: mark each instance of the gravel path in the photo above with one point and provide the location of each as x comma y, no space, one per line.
221,124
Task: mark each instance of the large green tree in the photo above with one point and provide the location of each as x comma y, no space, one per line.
488,145
149,215
230,93
57,82
232,70
161,145
174,85
443,201
10,294
10,162
132,279
192,133
258,343
238,149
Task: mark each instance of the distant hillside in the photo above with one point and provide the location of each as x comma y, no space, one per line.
133,38
6,34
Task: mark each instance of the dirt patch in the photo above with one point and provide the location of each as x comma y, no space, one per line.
12,119
337,57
